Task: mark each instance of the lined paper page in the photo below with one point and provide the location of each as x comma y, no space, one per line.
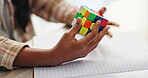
124,52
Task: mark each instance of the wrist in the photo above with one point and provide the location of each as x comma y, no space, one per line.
56,58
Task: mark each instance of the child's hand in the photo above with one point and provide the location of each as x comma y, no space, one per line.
69,48
101,12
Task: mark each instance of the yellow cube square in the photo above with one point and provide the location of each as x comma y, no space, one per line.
84,11
83,20
92,25
83,30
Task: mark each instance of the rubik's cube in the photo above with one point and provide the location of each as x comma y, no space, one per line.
89,18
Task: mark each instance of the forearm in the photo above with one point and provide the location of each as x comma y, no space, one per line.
34,57
54,10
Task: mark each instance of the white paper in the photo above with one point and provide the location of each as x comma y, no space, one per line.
123,53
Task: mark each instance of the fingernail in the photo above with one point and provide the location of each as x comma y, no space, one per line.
118,25
77,23
99,21
108,27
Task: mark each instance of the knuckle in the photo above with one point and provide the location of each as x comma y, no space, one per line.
76,27
93,34
99,39
82,46
66,34
79,46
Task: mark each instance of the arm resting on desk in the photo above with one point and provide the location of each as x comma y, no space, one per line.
68,48
8,52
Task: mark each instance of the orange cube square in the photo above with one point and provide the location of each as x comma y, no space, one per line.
87,24
86,14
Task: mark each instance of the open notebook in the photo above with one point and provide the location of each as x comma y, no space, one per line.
123,53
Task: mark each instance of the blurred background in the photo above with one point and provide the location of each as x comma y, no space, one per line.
132,15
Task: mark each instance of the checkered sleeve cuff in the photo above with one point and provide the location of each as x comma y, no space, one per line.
8,52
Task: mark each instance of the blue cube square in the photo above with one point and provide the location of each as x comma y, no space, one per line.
97,18
100,28
88,31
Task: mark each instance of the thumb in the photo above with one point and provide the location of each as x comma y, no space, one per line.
102,10
74,30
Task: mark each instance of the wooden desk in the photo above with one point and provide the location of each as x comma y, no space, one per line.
17,73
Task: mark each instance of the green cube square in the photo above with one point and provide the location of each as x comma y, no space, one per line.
78,15
91,16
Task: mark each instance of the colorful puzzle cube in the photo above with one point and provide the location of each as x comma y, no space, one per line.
89,18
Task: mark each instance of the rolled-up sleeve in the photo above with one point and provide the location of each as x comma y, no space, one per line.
8,52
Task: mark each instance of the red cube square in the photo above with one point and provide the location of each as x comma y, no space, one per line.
104,22
87,24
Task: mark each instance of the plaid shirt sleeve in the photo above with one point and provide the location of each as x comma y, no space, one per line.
54,10
8,52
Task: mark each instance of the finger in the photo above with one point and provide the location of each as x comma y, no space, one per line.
93,47
102,33
109,34
96,27
73,31
113,24
102,10
91,36
99,37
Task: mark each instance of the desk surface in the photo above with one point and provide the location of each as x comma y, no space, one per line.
17,73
